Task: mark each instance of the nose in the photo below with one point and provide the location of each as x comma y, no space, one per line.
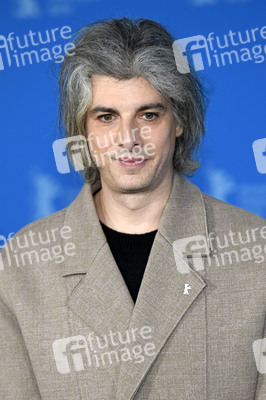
129,136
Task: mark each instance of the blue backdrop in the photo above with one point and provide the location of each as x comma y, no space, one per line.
229,51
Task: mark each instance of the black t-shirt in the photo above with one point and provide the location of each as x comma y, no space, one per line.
131,253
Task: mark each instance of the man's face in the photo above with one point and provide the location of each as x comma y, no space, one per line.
131,133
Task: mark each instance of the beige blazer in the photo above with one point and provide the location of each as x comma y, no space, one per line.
70,331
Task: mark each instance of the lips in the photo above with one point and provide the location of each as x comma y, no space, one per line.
133,160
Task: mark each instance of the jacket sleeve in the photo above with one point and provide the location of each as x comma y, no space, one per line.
261,381
17,380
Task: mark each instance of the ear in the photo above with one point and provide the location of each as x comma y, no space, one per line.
178,130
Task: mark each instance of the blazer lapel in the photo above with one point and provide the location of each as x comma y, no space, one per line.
170,284
101,297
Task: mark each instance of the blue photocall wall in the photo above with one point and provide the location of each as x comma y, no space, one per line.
226,40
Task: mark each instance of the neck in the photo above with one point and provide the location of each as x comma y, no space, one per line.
132,213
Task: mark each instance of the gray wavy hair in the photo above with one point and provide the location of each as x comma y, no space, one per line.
125,48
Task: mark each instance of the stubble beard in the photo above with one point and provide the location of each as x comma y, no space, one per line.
134,182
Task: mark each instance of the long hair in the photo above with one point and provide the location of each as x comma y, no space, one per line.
123,49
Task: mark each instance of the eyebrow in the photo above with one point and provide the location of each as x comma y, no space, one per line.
100,108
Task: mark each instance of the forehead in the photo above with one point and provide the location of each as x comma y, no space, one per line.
111,91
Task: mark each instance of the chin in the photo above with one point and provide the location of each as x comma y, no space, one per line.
131,187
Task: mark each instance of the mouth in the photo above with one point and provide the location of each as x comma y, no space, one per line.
132,162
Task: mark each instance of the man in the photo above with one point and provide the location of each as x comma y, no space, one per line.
144,287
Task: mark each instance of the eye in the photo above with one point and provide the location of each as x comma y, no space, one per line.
106,117
150,116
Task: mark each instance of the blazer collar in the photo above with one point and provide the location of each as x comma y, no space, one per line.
161,301
184,217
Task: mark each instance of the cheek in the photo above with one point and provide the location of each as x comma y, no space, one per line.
102,142
166,144
163,138
98,142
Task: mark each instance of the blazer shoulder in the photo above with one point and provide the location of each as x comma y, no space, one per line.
230,215
52,220
27,242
